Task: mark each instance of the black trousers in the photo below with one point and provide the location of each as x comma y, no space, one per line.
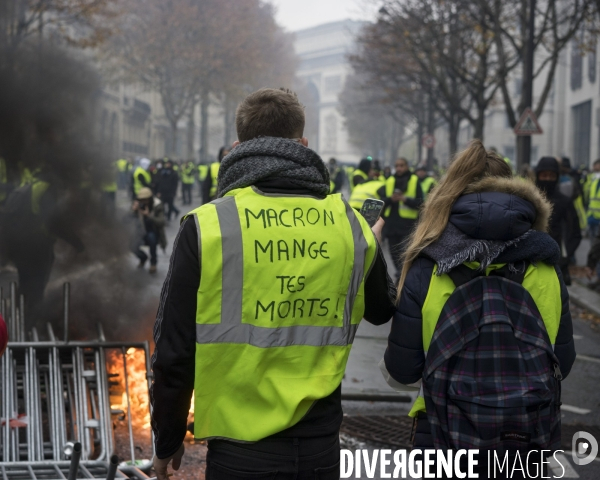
186,193
275,459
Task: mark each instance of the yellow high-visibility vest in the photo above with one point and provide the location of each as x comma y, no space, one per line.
280,298
541,281
411,192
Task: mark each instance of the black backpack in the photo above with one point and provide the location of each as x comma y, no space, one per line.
491,379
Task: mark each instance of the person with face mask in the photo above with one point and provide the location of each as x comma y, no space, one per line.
564,224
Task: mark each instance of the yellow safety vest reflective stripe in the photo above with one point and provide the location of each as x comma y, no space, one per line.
137,185
187,174
411,192
363,191
594,206
541,281
279,302
202,172
214,175
426,185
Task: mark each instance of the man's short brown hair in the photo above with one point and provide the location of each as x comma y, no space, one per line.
270,112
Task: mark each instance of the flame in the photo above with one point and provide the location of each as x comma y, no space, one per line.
138,385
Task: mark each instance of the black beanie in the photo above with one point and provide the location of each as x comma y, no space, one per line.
547,164
365,165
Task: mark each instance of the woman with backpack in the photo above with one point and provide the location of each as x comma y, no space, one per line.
482,327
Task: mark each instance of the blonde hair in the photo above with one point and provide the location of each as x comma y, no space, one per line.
469,166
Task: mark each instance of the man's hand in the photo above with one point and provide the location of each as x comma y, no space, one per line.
135,205
397,197
161,464
377,228
589,273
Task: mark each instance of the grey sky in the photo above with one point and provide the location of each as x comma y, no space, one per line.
298,14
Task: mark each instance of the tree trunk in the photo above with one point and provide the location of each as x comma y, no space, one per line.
228,119
453,129
190,133
204,104
172,150
479,124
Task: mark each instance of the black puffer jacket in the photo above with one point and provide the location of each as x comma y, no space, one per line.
502,210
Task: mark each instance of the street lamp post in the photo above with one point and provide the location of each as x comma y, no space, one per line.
524,142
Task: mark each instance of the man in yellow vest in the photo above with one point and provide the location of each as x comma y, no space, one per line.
267,286
426,181
372,187
187,182
210,183
404,198
361,173
202,173
141,177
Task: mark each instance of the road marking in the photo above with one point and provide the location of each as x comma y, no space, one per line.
557,469
577,337
572,409
587,358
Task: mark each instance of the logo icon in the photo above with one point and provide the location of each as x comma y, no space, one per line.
584,451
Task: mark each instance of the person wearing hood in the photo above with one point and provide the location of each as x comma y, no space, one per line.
404,197
371,187
150,227
480,223
141,177
564,225
361,174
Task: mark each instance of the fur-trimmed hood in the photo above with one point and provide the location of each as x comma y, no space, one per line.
501,209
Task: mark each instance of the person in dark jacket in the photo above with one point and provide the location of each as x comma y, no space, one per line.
336,174
480,214
399,224
167,188
274,160
150,227
362,173
564,222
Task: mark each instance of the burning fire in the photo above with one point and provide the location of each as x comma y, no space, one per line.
138,385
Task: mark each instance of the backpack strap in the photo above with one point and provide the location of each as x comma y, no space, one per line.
462,274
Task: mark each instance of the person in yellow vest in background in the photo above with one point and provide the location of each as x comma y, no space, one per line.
570,187
349,171
210,183
482,234
141,177
593,199
187,182
404,198
372,187
267,286
361,173
426,181
202,173
122,169
109,187
336,176
33,218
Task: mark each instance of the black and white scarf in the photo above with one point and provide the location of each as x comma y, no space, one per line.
268,158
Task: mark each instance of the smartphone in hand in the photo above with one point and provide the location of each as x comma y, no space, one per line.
371,210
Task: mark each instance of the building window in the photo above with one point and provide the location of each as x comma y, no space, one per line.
330,133
582,125
333,84
576,66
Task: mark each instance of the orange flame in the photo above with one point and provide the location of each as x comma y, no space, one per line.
138,385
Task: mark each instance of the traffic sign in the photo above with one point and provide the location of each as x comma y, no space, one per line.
528,124
428,140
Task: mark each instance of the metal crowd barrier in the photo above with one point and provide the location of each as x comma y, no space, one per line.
55,404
